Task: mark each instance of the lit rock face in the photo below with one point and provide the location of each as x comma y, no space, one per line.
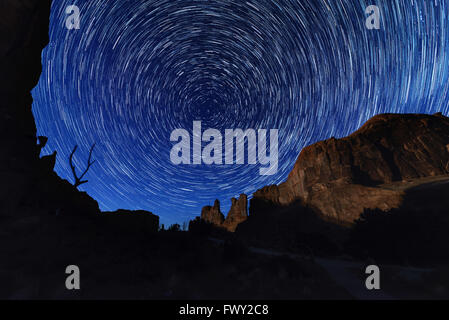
213,214
339,178
236,215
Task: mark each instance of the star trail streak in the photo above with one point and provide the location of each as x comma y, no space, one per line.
136,70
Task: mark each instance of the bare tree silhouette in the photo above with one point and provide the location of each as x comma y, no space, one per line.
78,180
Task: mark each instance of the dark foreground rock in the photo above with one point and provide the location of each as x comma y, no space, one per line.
23,36
126,263
132,220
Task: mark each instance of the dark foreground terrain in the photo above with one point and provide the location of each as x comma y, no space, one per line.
124,264
130,263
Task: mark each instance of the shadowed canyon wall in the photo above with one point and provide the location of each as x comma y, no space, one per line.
23,35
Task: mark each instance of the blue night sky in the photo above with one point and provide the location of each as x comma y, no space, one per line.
136,70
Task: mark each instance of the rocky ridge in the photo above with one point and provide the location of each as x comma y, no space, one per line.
339,178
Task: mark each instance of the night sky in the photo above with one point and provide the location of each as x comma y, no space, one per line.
136,70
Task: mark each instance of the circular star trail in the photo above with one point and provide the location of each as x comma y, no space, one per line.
137,70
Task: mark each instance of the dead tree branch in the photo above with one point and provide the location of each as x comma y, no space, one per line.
78,180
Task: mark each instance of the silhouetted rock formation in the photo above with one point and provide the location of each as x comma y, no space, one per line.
23,35
339,178
28,184
289,228
212,215
47,164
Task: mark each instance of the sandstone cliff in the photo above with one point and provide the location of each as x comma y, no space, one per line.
339,178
